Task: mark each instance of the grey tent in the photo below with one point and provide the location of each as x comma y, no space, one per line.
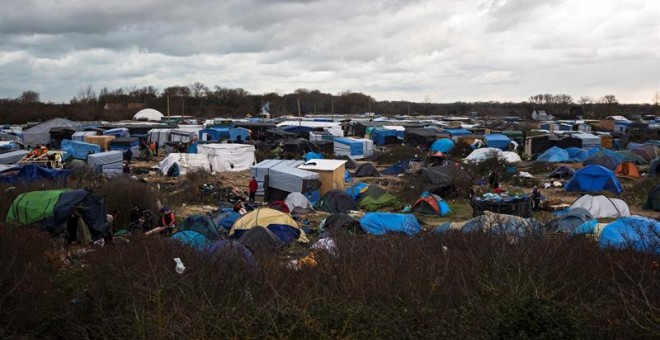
260,240
440,180
350,163
366,170
570,221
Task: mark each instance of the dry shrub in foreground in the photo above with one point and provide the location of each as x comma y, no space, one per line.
378,287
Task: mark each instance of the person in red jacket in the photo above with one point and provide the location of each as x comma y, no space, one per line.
253,188
167,220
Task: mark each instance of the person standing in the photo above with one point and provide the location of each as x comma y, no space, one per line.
494,179
536,198
253,186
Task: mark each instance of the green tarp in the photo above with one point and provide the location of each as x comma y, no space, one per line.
35,206
375,198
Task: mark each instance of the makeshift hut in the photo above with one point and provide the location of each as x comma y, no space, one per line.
100,140
331,173
601,206
594,178
228,157
109,162
277,178
182,163
78,211
497,140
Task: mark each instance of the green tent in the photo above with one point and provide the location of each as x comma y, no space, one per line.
375,198
54,210
202,224
33,206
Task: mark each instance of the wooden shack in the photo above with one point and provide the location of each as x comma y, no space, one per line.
102,141
331,173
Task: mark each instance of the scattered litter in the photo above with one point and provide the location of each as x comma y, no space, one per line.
180,268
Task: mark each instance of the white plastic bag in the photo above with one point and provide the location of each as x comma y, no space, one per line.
180,268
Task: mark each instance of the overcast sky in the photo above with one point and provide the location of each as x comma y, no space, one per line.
438,51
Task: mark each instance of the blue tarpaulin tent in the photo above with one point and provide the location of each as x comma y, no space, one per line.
553,155
442,145
609,160
239,134
32,173
380,223
192,239
594,178
79,150
383,136
457,132
639,233
497,140
576,154
313,155
214,133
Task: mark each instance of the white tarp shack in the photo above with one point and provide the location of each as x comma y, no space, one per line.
109,162
183,136
228,157
161,136
186,162
284,175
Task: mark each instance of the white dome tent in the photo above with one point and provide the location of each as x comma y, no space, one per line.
148,115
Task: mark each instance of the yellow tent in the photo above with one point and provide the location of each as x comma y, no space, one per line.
264,217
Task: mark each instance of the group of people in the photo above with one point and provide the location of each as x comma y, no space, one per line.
147,150
142,221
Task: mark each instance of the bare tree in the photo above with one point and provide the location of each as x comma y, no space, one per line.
584,100
86,95
29,97
563,99
609,99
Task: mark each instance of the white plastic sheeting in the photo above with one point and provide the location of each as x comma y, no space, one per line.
187,162
483,154
228,157
298,203
602,207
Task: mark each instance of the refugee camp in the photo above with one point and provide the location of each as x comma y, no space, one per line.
330,170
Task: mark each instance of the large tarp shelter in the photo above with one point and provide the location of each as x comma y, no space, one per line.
185,162
423,137
609,160
646,151
214,133
632,232
79,150
382,136
40,133
594,178
125,143
52,209
497,140
299,146
30,173
381,223
601,206
228,157
499,224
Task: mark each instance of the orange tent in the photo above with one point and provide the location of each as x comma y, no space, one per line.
627,169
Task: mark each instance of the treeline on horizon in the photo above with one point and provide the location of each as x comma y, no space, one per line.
198,100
